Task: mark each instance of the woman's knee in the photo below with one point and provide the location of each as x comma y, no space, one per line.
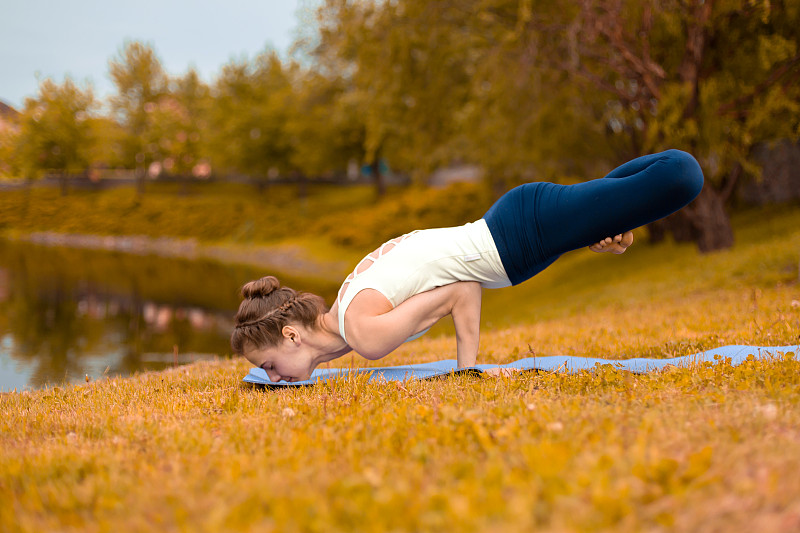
687,176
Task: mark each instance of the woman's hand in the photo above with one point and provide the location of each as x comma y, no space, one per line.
616,245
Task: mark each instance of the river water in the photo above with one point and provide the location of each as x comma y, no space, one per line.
68,313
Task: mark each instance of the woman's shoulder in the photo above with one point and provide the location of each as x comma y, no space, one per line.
368,303
354,320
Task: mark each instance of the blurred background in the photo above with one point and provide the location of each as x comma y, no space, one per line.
320,128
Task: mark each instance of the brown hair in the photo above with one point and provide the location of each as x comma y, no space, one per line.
266,308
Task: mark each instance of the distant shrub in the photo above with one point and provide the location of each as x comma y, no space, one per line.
347,216
412,209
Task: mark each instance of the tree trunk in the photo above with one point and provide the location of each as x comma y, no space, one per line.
140,176
657,231
711,222
262,184
302,186
678,224
62,179
28,189
377,177
184,188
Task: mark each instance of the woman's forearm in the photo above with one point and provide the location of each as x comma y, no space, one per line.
467,320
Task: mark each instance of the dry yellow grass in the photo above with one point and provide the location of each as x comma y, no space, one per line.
715,448
712,448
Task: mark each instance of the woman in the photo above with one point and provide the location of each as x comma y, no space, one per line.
404,287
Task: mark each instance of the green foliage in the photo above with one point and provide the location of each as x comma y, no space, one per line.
524,89
419,72
161,213
211,212
416,208
181,125
749,97
546,88
7,150
55,131
535,88
141,82
324,126
248,117
714,79
106,151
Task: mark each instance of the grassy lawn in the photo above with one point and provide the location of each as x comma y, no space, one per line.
711,448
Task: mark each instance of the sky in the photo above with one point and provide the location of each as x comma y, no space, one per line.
54,38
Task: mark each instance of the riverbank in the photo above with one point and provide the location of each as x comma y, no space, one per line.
332,217
290,258
319,234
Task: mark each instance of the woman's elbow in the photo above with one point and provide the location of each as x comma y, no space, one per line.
372,354
369,348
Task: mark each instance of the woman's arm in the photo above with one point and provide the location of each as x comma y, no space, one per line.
376,334
467,319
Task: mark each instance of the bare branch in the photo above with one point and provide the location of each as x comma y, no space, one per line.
609,27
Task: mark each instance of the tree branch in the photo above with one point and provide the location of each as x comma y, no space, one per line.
609,26
733,107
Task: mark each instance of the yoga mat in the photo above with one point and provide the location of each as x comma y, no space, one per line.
553,363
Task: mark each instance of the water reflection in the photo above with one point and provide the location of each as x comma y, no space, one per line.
67,313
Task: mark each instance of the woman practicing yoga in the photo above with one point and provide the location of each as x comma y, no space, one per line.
400,290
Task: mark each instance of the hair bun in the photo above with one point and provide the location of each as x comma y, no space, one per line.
261,288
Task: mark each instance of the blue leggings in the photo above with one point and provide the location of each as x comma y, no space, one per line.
533,224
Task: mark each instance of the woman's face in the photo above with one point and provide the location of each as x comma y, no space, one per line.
289,361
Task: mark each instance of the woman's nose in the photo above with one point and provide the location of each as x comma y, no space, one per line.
273,376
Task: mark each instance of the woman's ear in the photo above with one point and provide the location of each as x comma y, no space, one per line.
291,333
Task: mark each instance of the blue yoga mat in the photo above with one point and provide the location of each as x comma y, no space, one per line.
554,363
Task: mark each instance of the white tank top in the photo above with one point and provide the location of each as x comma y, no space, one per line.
423,260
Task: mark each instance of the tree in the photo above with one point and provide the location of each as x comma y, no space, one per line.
180,123
457,81
324,125
712,77
55,133
251,106
9,128
141,82
523,121
107,150
405,70
538,88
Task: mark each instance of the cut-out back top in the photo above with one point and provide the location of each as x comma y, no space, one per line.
423,260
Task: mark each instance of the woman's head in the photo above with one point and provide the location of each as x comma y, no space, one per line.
266,310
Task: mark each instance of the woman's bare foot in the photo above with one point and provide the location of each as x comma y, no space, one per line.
616,245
